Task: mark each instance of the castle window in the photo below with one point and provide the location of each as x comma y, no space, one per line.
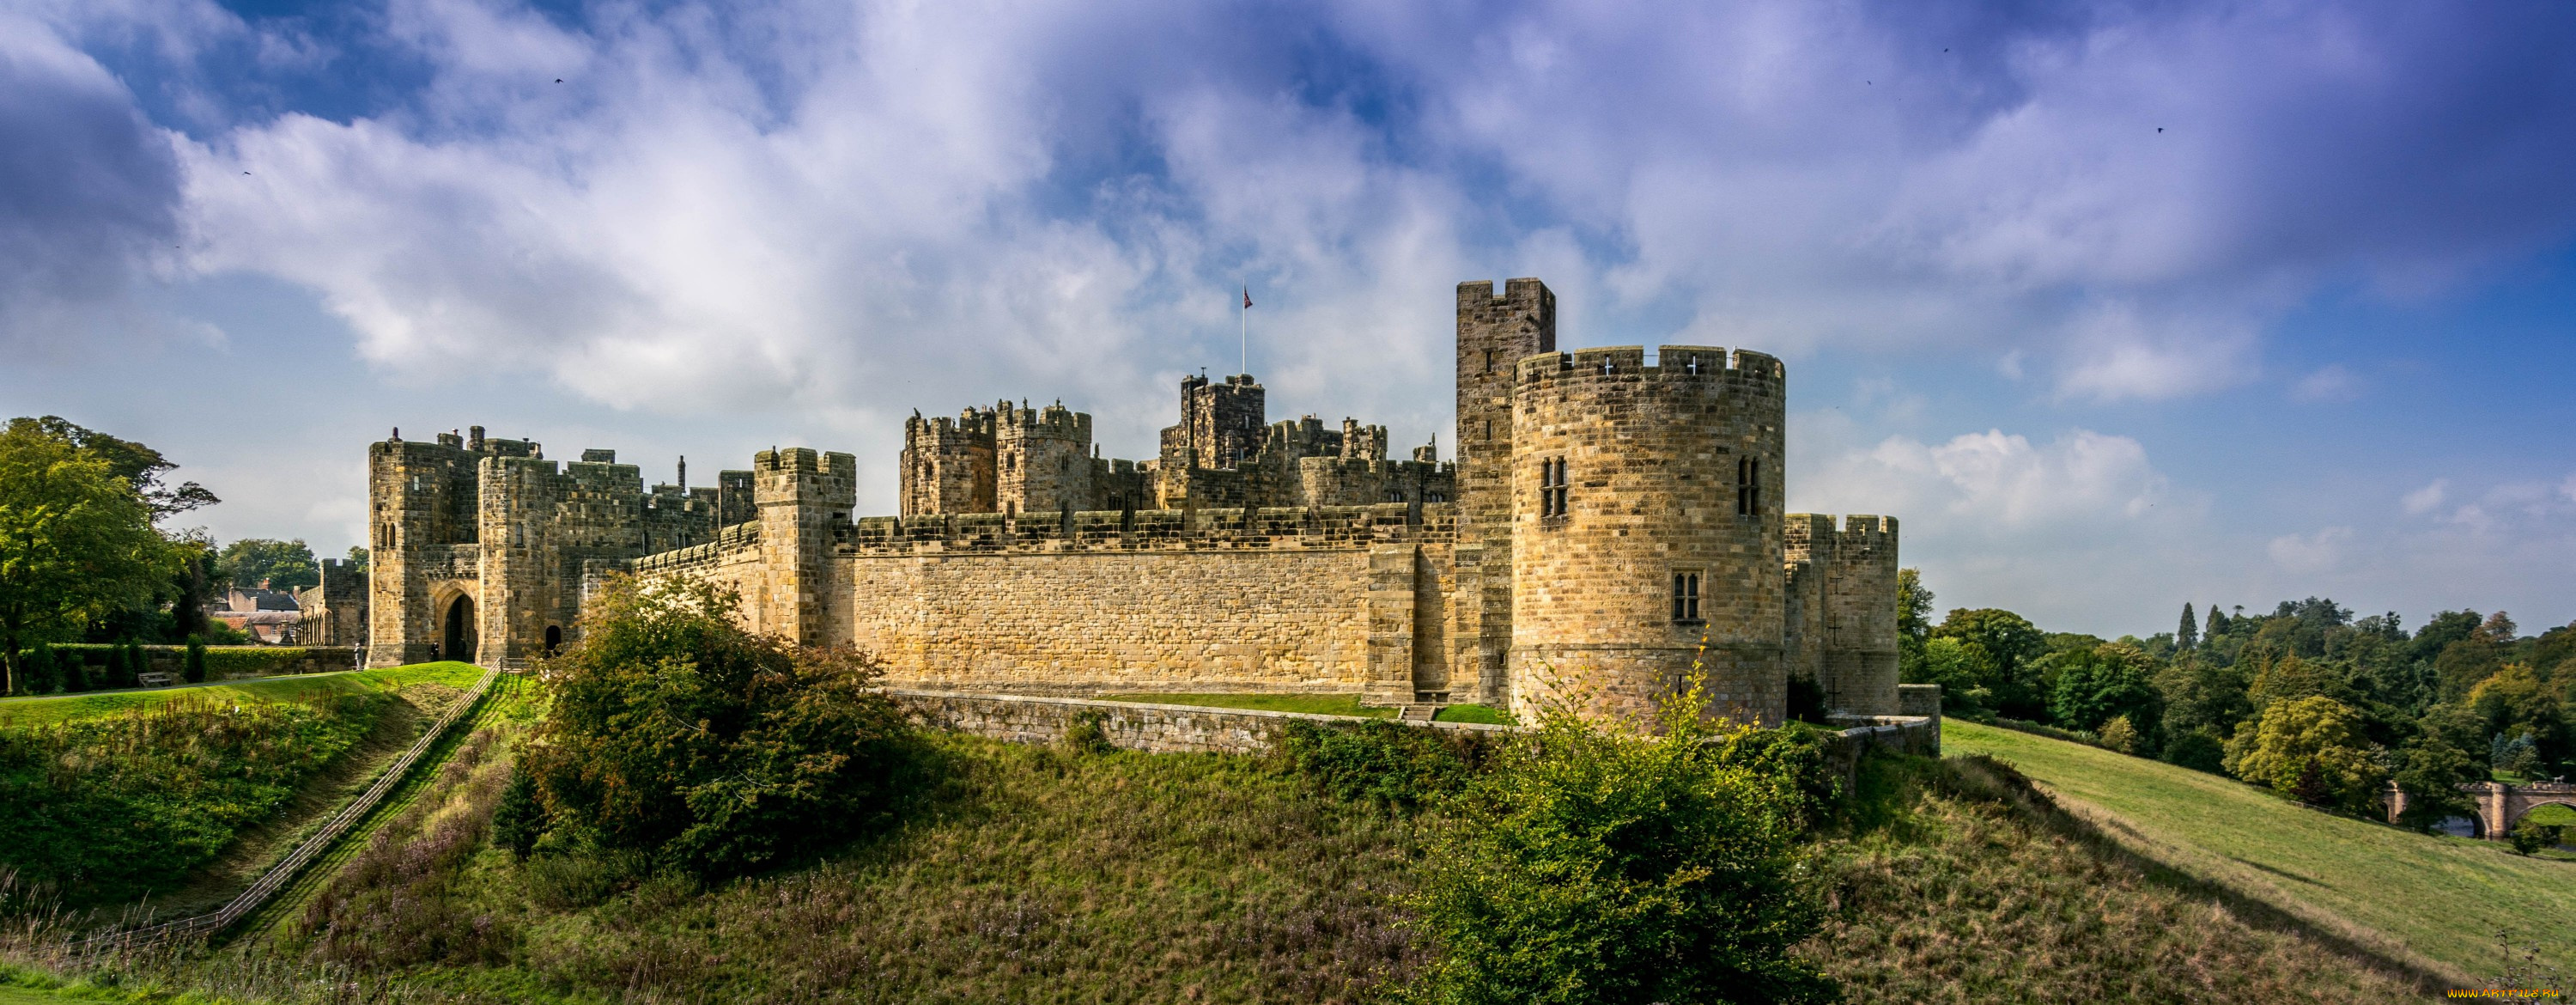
1489,361
1551,487
1686,595
1748,487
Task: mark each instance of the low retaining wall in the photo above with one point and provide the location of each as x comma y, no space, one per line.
1129,725
1168,729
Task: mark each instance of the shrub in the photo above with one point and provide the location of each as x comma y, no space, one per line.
1596,866
74,671
36,671
521,818
196,666
1376,761
2531,839
1084,736
1792,761
671,730
1806,699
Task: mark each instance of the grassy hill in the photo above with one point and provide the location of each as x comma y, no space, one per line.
2436,902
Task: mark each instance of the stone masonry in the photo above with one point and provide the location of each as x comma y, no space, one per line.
1610,527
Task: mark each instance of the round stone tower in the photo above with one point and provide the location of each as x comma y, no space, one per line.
1646,530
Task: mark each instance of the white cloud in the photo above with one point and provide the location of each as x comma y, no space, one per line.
2310,554
2003,481
2330,383
2426,499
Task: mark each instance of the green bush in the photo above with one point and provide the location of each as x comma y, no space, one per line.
195,668
1597,866
1792,761
1084,735
521,818
158,792
36,671
671,730
1377,761
73,669
2531,839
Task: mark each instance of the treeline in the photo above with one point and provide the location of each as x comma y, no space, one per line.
2306,699
84,556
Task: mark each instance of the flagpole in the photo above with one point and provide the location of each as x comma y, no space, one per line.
1243,332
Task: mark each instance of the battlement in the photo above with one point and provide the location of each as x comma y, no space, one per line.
1054,422
806,461
1863,529
1157,530
1695,365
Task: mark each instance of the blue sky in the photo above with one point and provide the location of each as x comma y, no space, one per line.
2115,306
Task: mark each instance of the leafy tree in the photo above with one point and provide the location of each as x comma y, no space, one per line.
140,466
1913,622
2430,773
1598,866
520,821
2202,695
2290,678
283,565
2290,736
2014,645
2217,624
2106,682
358,557
76,540
2187,634
2531,839
2118,735
2197,749
1961,668
674,731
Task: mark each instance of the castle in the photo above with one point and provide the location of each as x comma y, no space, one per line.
1608,524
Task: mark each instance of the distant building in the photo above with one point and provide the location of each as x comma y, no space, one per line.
334,612
268,616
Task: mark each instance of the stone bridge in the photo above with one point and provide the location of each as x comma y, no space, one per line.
2500,806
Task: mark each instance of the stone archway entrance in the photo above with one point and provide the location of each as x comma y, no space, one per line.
456,641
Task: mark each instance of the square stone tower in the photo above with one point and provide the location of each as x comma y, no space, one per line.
1494,333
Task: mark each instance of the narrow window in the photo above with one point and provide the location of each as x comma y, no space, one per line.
1489,361
1489,429
1748,487
1685,595
1551,487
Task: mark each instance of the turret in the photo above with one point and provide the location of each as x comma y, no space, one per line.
1646,529
1494,334
1042,459
803,496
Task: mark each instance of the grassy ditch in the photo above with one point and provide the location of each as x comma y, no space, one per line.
2434,901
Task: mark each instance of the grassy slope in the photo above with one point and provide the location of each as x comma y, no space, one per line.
1034,876
1954,885
2439,898
50,709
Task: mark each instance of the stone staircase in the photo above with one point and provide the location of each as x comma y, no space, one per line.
1418,713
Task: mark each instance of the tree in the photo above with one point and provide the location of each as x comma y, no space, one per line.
1962,669
2187,634
2217,625
283,565
1913,622
2430,773
195,670
1595,865
76,540
2109,681
140,466
2013,644
358,557
673,731
2292,735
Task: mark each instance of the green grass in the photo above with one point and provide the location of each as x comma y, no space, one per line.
1486,714
2429,899
2551,815
50,709
1312,704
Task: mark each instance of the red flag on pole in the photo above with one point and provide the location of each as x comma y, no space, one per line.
1247,298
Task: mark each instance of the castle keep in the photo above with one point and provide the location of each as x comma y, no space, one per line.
1608,523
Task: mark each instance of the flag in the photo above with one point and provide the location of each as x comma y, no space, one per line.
1247,298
